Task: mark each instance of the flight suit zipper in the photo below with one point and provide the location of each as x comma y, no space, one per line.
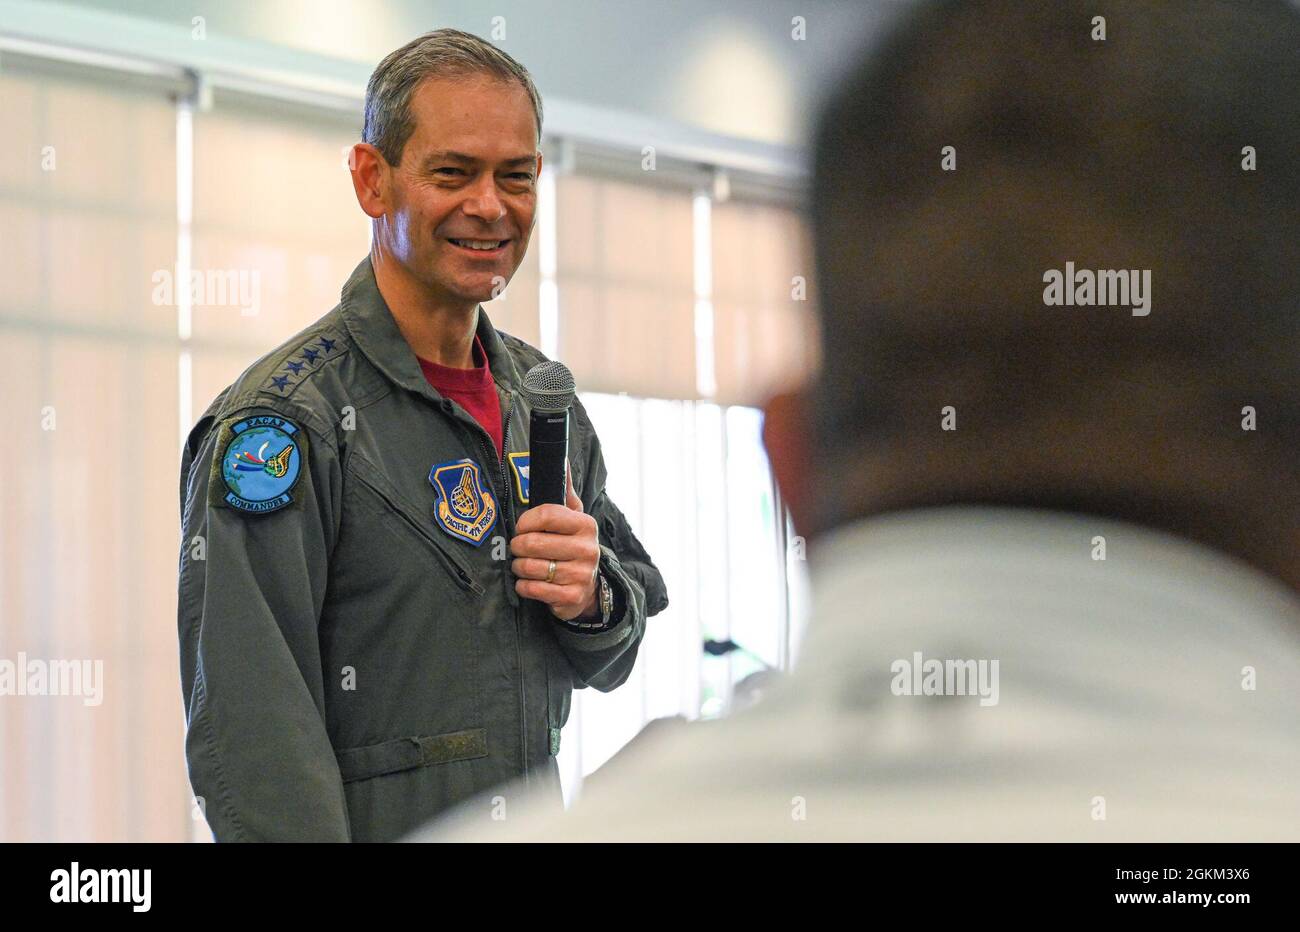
508,508
452,562
507,513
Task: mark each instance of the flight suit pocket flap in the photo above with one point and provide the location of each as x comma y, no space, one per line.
408,753
400,510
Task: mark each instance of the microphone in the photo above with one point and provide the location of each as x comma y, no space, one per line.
549,390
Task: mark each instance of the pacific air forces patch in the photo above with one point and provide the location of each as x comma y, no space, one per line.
463,506
261,459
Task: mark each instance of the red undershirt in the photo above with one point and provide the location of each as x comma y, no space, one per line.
473,389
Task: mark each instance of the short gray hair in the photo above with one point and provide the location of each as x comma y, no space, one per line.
441,53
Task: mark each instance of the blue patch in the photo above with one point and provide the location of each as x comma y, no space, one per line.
463,508
261,463
519,469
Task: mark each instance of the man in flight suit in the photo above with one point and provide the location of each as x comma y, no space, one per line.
377,626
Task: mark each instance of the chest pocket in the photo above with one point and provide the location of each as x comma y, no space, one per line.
396,512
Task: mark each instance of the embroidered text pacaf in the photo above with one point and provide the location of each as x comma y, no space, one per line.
261,463
463,506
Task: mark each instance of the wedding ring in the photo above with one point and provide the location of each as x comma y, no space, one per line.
550,572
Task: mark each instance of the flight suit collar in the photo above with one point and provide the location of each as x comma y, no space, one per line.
375,333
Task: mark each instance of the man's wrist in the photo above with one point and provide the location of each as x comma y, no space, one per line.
599,612
593,604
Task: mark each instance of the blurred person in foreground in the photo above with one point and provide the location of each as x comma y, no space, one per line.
1087,515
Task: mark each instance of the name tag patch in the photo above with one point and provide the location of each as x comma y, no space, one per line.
261,463
463,506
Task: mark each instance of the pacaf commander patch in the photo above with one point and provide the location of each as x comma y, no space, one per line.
260,458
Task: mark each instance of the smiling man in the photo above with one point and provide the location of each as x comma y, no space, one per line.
373,624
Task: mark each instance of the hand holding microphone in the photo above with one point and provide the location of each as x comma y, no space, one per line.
556,547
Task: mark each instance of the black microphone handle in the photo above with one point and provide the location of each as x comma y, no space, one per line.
548,454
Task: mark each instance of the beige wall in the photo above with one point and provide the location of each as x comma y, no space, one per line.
88,517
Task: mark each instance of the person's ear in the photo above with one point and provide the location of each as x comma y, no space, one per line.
369,179
787,436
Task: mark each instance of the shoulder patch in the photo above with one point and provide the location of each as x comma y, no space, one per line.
303,362
260,459
463,506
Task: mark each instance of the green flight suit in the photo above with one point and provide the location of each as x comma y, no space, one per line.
350,667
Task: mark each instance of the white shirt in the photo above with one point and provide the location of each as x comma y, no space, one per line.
1123,710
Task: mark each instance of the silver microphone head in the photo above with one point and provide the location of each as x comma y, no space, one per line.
549,387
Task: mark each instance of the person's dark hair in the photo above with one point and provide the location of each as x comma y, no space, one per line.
441,53
1125,153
